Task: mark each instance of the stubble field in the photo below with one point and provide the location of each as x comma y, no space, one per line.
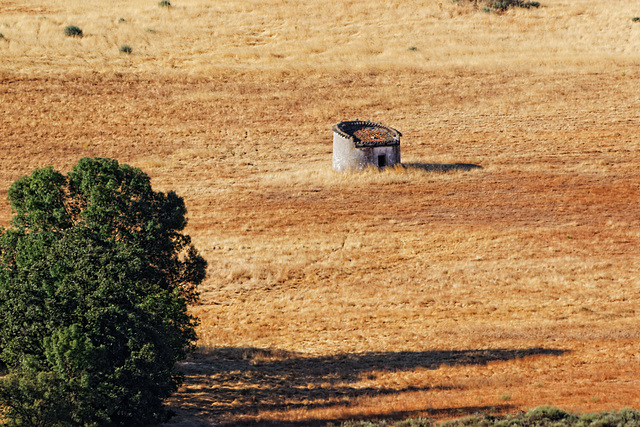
434,289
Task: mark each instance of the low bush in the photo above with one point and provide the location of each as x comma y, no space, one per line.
126,49
636,19
546,413
502,5
72,31
164,3
508,4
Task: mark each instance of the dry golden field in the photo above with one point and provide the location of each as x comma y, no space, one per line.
428,290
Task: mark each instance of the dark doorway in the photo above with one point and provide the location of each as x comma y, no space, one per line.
382,161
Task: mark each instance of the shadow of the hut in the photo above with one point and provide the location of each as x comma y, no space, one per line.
442,167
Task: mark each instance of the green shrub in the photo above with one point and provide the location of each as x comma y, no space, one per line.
508,4
636,19
126,49
546,413
72,31
95,278
503,5
164,3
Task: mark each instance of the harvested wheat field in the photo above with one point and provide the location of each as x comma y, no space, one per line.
434,289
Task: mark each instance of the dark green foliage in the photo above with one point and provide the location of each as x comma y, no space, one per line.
72,31
635,19
95,278
542,416
164,3
126,49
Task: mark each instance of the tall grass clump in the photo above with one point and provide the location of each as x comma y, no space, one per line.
72,31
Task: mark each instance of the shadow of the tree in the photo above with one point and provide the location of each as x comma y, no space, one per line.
225,382
440,167
387,416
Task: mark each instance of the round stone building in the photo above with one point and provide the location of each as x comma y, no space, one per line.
359,144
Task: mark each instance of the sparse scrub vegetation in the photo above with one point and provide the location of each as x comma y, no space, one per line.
72,31
635,19
164,3
126,49
537,417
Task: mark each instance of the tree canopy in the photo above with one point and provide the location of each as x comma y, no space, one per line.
95,278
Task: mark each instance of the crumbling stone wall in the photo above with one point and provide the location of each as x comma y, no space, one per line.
349,153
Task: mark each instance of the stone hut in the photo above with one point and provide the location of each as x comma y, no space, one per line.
359,144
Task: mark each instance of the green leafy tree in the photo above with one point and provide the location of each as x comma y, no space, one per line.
95,278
